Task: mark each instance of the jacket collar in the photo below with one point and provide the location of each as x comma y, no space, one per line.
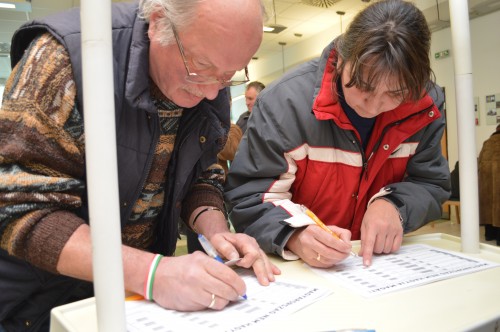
137,92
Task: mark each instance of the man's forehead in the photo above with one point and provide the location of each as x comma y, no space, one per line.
238,21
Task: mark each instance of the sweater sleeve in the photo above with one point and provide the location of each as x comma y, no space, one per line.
41,156
207,191
233,140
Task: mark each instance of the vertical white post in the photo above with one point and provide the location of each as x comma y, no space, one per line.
101,162
469,202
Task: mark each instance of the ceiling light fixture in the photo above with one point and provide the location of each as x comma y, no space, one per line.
7,5
320,3
340,14
274,28
17,5
283,44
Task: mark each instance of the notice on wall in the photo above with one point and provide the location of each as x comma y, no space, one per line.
492,109
476,110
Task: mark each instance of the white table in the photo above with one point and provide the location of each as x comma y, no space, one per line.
466,303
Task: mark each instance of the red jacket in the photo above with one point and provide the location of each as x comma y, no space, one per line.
300,146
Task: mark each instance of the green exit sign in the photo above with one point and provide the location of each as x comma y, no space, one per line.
442,54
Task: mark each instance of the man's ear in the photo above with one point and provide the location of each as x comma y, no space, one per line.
153,23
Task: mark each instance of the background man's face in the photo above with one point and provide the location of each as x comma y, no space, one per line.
250,97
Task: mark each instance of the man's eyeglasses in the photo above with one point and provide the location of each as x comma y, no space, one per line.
200,79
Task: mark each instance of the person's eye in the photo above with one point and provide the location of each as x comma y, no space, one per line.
365,87
398,93
201,65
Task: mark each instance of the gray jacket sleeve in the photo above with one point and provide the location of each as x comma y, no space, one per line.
426,184
248,182
260,176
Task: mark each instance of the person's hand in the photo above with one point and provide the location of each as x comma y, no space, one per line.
318,248
234,245
381,230
186,283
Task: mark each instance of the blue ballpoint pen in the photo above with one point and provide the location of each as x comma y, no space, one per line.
210,250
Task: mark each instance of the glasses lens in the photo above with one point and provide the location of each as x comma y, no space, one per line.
198,79
234,83
240,77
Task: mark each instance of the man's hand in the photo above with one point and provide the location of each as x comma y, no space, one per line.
213,225
186,283
232,246
381,230
319,248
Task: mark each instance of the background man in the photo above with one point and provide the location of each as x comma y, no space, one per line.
252,91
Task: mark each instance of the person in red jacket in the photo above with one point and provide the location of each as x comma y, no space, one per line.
353,136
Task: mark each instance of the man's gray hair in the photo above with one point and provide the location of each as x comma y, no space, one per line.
180,12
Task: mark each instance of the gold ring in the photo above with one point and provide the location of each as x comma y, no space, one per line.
318,258
211,305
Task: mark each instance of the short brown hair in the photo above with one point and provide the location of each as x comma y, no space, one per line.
388,38
258,86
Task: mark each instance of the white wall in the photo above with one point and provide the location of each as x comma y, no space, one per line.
485,41
238,105
2,87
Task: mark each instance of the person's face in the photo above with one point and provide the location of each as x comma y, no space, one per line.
384,97
207,53
250,97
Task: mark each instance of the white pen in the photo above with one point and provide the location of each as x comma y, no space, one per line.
209,248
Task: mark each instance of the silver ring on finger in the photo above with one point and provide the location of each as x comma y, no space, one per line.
211,305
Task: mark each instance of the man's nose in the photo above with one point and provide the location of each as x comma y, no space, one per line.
210,91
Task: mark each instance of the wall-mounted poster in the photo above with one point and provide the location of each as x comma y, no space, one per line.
492,108
476,110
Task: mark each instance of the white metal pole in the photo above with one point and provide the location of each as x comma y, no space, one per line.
101,162
469,202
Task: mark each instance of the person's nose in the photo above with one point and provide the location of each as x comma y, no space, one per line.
376,102
210,91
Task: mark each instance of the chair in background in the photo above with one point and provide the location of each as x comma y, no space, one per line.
455,194
455,202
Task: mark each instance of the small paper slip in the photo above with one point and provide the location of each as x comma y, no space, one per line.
263,304
411,266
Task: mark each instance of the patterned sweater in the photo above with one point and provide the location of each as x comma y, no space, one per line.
42,165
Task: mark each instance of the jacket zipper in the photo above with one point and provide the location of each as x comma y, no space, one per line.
384,131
